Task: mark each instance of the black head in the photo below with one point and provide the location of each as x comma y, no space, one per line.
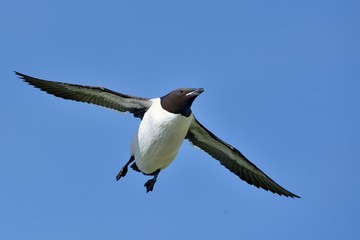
179,101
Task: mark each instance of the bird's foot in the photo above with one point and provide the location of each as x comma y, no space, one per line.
151,182
124,169
150,185
121,173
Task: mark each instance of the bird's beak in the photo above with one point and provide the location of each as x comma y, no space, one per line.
195,92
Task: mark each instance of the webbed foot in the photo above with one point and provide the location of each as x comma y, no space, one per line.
124,169
151,182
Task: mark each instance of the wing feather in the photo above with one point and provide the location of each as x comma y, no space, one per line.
233,159
93,95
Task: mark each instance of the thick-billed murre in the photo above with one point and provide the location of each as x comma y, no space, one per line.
165,123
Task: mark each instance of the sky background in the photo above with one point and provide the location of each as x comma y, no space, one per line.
282,82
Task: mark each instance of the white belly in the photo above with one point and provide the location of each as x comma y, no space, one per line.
158,139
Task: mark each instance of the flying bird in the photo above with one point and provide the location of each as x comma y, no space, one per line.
165,123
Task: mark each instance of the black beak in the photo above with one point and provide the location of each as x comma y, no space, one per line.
195,92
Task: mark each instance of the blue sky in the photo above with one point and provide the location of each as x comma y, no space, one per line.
282,82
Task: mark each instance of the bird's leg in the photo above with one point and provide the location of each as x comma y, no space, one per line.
150,183
124,169
135,167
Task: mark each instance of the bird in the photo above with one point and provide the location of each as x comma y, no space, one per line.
165,123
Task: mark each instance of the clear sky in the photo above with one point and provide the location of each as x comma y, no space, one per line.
282,82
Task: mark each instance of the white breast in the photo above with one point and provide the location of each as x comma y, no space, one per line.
159,137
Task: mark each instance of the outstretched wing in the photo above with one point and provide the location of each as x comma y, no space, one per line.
233,159
94,95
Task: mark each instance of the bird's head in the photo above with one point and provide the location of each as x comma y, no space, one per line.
180,100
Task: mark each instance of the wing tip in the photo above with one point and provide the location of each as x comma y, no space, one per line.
20,75
23,77
282,193
291,195
285,193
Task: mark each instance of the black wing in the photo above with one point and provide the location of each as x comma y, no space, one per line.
94,95
233,159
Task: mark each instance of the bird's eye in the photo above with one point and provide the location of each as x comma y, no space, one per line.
180,91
